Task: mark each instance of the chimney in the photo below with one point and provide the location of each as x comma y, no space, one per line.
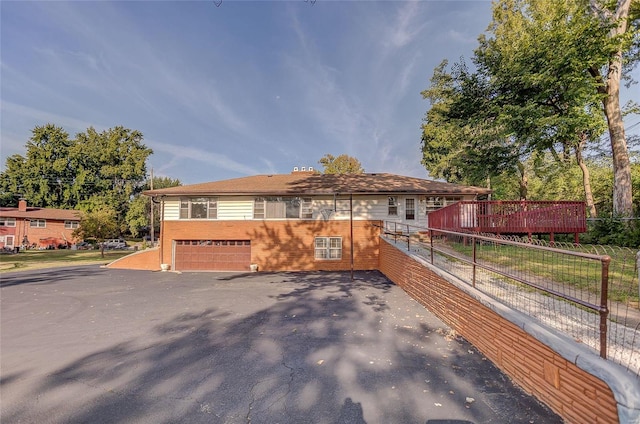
22,205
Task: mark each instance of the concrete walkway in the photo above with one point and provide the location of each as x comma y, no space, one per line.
87,344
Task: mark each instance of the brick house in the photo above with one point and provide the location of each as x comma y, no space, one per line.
37,227
297,221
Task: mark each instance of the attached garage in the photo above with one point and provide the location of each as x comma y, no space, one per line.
212,255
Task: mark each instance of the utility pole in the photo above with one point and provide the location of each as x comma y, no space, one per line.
152,232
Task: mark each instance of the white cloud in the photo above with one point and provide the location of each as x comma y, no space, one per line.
187,153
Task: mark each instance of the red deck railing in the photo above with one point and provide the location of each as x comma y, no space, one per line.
512,217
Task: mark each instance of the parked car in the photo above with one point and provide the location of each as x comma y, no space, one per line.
84,245
115,244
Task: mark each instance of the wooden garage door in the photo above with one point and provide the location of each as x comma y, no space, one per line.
212,255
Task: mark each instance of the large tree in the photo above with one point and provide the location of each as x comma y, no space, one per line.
343,164
535,91
566,58
86,172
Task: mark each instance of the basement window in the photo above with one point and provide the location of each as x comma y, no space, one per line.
329,248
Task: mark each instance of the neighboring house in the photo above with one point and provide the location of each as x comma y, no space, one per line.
37,227
297,221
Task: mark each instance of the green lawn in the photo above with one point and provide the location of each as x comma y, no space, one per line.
34,259
581,273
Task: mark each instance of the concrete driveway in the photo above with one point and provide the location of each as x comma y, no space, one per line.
93,345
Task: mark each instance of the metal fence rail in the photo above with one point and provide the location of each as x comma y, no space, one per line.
587,292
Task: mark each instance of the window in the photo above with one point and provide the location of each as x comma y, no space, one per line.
38,223
410,209
7,222
282,207
435,203
199,208
306,208
258,208
328,248
71,225
393,205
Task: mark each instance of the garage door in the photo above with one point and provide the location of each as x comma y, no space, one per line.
212,255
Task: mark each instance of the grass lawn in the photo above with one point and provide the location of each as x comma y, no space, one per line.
35,259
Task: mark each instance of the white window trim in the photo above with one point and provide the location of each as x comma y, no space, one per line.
39,223
209,208
305,207
71,225
327,248
406,209
8,222
392,202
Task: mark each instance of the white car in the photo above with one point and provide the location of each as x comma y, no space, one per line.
115,244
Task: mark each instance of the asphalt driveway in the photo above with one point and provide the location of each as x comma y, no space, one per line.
93,345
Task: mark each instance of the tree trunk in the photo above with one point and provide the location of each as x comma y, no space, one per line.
586,180
524,181
622,196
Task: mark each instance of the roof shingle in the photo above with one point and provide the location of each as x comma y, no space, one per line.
301,183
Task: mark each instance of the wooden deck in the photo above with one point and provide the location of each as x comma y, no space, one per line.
512,217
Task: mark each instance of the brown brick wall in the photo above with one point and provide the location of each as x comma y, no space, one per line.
576,395
283,245
148,260
53,229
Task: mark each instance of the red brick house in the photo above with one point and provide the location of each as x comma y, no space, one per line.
37,227
297,221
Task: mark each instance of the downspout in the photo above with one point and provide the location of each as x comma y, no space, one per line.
351,229
161,241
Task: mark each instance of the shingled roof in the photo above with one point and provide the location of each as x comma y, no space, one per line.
307,183
41,213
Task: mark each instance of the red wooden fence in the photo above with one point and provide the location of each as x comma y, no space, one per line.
512,217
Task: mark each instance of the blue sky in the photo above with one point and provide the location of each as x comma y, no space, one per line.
249,87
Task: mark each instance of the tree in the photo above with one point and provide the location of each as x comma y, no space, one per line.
623,43
566,58
138,215
44,174
100,224
86,172
343,164
462,141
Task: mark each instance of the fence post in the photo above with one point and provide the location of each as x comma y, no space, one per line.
638,269
431,244
604,310
473,277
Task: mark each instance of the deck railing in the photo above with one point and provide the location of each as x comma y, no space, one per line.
589,293
512,217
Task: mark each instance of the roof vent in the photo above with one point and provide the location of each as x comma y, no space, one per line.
303,169
311,169
295,169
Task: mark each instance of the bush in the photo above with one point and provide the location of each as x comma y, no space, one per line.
613,231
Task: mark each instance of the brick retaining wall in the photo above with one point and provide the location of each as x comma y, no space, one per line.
576,395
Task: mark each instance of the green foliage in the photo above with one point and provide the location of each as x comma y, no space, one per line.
87,172
541,78
343,164
461,140
101,223
139,211
612,230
